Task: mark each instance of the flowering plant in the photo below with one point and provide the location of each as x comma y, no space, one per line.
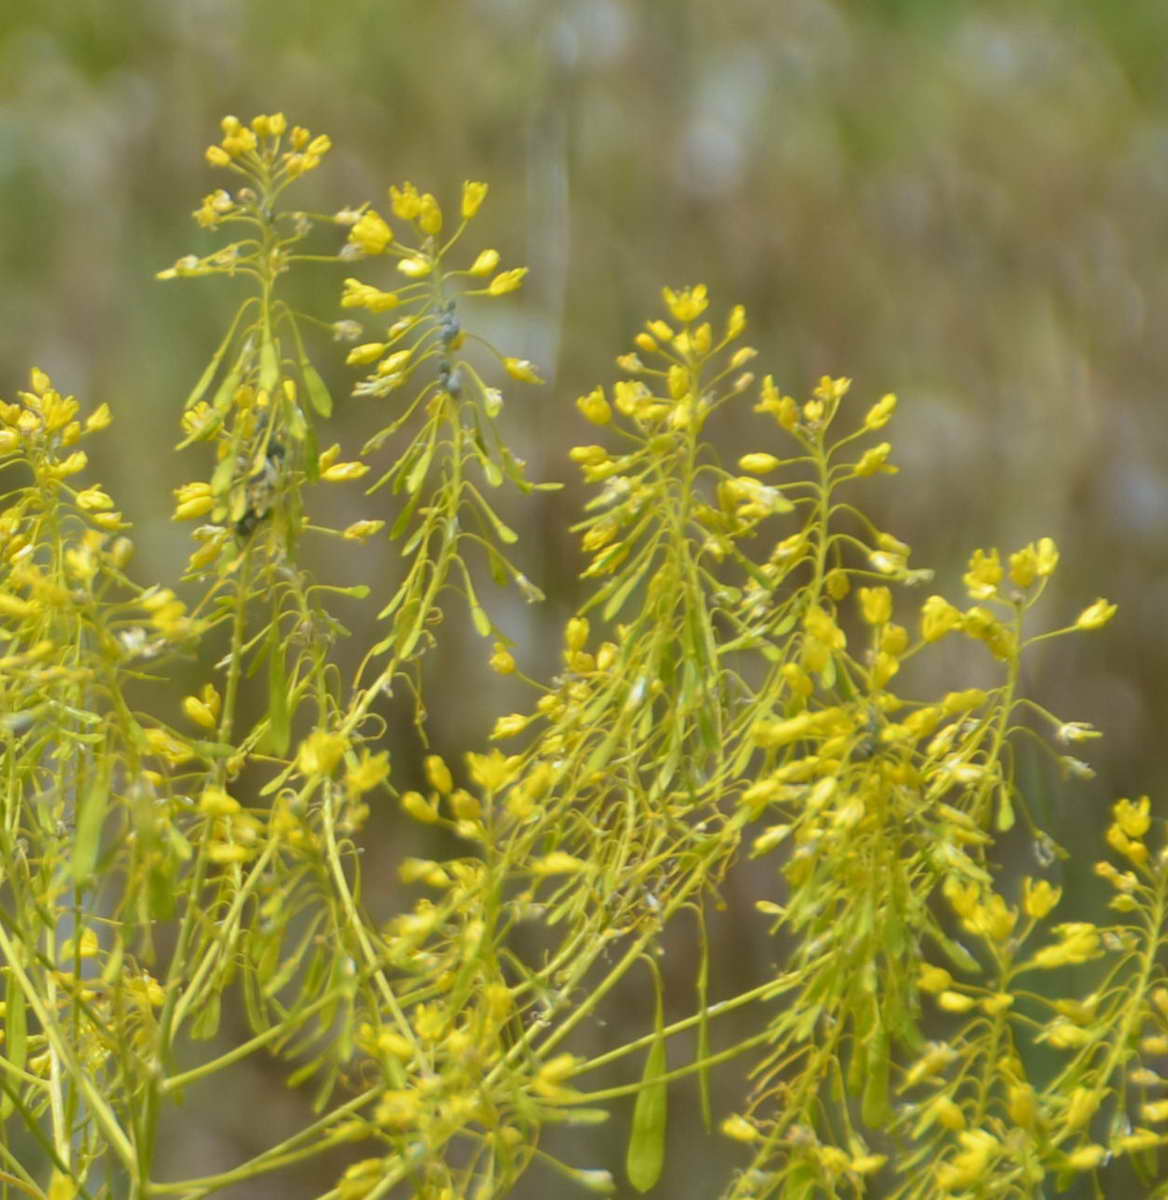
731,711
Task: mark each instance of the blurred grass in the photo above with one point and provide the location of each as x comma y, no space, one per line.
961,202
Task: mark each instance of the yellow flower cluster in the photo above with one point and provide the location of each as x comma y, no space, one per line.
262,142
422,261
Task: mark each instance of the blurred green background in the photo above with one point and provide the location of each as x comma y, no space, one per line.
966,203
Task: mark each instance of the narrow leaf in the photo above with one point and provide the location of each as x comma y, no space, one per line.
703,1050
269,364
646,1154
279,713
318,393
91,814
875,1106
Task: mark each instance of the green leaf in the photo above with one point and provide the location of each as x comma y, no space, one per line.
318,394
505,532
311,456
222,476
478,614
205,1024
279,711
1005,819
225,392
269,364
875,1106
646,1154
15,1024
205,379
703,1050
216,362
827,676
90,820
957,953
418,472
617,600
403,518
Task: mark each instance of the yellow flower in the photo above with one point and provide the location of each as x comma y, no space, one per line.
1096,615
984,574
1039,897
521,369
993,918
361,531
473,195
595,407
1086,1158
194,499
199,712
832,390
438,774
405,201
1081,1107
1133,818
740,1129
368,773
876,605
94,499
1022,1105
339,472
772,734
364,354
759,464
77,461
485,263
492,771
509,726
875,460
558,863
507,281
429,214
416,267
948,1113
502,661
881,412
1024,566
1046,557
933,979
98,419
419,807
398,1109
215,802
361,1178
553,1074
320,752
824,629
967,1167
1079,942
688,304
363,295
